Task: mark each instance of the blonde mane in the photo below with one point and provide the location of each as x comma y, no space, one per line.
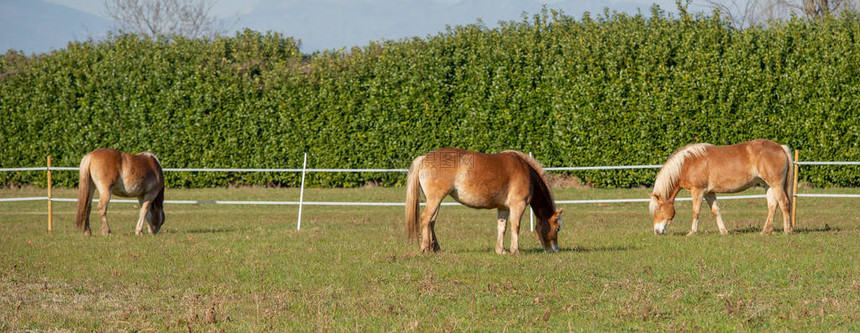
668,176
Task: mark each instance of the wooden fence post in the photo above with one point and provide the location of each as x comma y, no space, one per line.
794,191
50,203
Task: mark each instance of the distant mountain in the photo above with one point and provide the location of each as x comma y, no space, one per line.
332,24
36,26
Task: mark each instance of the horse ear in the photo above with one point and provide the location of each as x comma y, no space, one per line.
655,196
558,212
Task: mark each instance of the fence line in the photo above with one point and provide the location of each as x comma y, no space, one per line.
304,170
27,169
605,167
353,203
610,167
24,199
813,195
356,203
827,163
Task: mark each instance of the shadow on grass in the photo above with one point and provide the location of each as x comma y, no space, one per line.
745,230
200,231
575,249
750,230
582,249
826,228
755,230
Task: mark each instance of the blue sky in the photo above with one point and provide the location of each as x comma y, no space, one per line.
225,8
222,8
36,26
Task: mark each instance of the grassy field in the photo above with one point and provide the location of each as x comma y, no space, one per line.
247,268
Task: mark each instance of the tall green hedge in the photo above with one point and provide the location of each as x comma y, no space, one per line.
616,89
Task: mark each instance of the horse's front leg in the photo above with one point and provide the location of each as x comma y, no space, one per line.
697,206
144,210
516,216
500,231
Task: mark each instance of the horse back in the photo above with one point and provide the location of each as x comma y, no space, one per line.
735,167
105,165
125,174
142,173
474,179
750,155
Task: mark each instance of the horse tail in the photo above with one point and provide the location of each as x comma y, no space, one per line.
85,192
413,196
788,184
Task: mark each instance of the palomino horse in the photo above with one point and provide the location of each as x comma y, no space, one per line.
705,169
126,175
507,181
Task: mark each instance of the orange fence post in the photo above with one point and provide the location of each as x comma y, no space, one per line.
50,203
794,191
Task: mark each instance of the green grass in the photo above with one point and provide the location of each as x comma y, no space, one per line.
247,268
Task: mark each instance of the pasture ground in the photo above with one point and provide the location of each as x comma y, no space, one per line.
247,268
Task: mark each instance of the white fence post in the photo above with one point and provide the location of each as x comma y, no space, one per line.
531,211
302,192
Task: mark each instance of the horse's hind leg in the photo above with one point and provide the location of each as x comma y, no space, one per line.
104,200
433,239
780,197
501,221
784,205
711,198
87,230
770,194
429,243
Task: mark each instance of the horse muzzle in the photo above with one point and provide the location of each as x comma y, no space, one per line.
660,228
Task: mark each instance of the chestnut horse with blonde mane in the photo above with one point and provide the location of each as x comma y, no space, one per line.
126,175
507,181
705,169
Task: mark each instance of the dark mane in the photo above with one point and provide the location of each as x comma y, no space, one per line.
542,202
158,202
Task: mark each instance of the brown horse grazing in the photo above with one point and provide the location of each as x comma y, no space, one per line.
123,174
507,181
705,169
